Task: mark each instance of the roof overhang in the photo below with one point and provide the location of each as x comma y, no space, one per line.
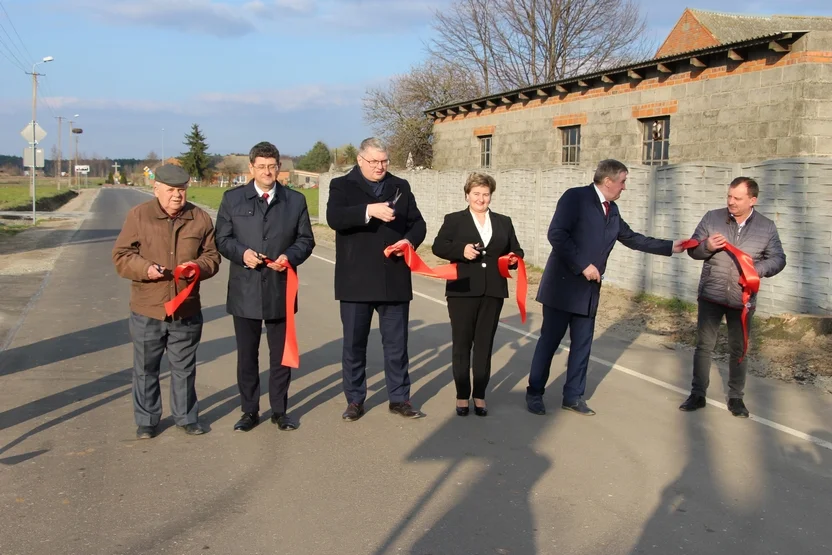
633,73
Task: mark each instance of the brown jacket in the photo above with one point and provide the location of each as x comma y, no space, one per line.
149,237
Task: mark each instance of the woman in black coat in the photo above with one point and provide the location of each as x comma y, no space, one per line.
475,238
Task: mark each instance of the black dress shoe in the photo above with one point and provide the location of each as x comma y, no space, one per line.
284,423
247,422
463,411
535,404
193,429
145,432
406,410
354,412
737,408
578,406
480,411
693,403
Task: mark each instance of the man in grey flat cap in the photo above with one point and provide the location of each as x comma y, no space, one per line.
159,237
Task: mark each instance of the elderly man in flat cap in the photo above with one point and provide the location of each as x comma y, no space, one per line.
158,236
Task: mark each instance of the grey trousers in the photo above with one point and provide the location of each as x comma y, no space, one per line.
151,338
707,329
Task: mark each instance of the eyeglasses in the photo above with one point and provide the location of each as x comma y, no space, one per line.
376,163
263,167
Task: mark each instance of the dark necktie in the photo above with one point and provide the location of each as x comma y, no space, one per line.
378,187
606,204
266,197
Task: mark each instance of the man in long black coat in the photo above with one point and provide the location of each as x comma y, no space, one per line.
371,209
256,222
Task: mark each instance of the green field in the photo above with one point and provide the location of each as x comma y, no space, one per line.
14,195
211,196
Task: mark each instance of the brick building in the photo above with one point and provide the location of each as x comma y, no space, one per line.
722,88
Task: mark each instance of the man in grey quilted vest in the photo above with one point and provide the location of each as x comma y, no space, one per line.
720,293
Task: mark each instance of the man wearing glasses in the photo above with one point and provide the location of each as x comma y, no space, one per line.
257,223
371,209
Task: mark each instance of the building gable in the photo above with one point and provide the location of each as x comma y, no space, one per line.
688,34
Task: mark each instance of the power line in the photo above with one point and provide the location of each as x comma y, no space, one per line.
15,31
47,89
13,59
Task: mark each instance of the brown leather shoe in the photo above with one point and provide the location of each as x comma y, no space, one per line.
354,412
406,410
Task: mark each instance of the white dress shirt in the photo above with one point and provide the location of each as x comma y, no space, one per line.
485,229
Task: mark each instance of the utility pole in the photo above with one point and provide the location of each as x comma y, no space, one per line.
59,173
34,132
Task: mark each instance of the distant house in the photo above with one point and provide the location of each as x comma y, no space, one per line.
287,166
305,180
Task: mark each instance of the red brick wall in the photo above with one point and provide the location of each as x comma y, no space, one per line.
487,130
656,109
688,34
569,120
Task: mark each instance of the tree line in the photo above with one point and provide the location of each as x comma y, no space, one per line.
196,160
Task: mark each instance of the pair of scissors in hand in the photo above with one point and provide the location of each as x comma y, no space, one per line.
392,203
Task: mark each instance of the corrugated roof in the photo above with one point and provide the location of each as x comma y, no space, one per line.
710,50
729,28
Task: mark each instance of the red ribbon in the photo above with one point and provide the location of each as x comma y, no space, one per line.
189,271
417,265
522,282
291,354
749,281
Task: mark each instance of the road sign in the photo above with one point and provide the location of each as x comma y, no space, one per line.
82,169
27,157
26,133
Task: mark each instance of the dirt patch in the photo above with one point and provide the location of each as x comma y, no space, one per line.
789,348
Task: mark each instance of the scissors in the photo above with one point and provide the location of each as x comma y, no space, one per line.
393,202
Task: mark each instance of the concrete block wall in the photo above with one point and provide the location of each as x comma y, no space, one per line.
767,106
665,202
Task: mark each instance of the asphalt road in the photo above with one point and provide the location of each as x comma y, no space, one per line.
640,477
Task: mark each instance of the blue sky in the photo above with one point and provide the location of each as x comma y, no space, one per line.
288,71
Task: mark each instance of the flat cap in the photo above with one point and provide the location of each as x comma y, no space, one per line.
172,175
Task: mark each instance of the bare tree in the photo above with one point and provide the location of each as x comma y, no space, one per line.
396,112
516,43
464,38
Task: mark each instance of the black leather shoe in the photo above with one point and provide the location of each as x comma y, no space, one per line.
247,422
578,406
737,408
406,410
535,404
693,403
462,411
354,412
145,432
284,423
481,411
194,429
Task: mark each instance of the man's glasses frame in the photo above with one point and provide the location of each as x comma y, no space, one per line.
376,163
262,167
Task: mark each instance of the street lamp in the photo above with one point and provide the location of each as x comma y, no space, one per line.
34,139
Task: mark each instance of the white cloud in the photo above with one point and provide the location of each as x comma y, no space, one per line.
197,16
296,99
236,18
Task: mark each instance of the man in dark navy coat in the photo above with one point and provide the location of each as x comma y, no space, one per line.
261,221
583,232
371,209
